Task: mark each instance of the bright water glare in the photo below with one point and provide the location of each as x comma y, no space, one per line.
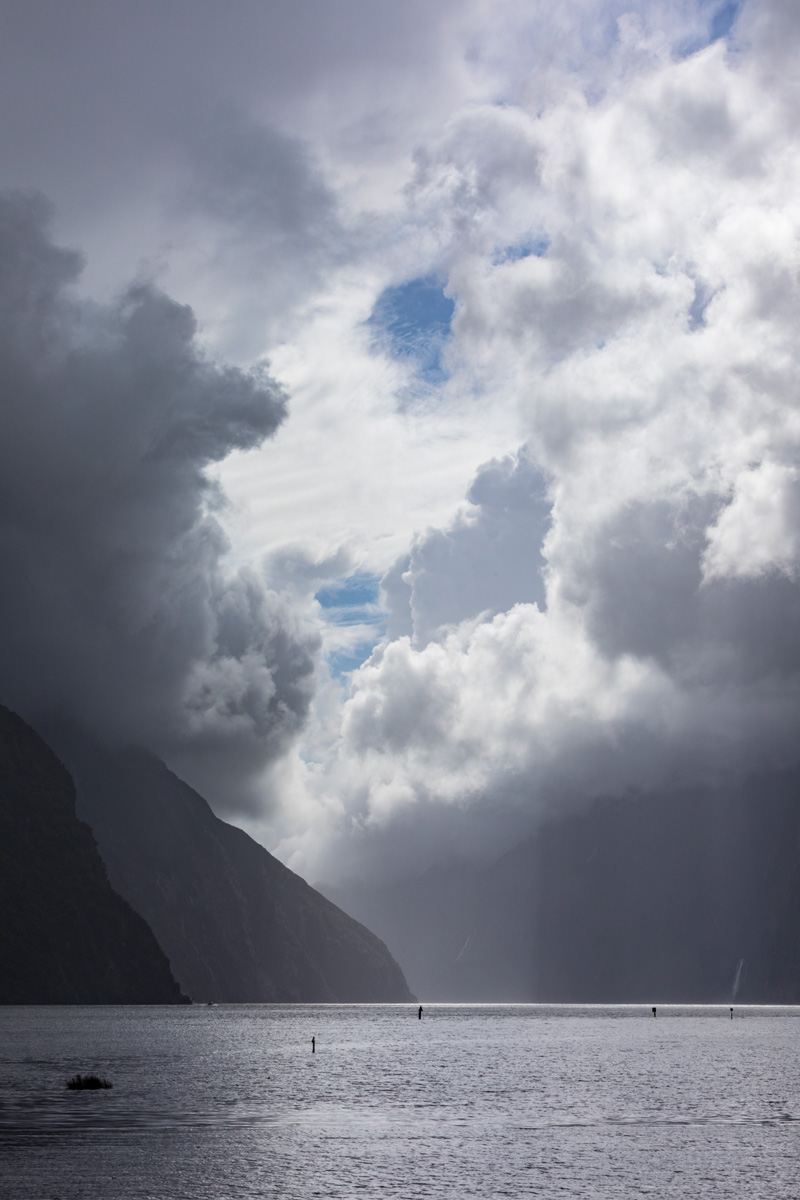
229,1103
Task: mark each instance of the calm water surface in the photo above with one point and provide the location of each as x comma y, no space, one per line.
489,1101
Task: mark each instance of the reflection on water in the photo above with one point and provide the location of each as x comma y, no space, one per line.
472,1100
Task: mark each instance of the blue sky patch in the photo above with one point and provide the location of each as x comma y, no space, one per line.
697,311
352,603
723,20
528,247
413,320
354,592
720,23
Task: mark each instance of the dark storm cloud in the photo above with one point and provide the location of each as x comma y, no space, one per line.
639,579
642,588
118,610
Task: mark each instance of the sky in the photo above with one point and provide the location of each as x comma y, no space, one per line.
400,420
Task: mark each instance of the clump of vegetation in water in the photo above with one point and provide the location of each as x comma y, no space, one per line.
79,1082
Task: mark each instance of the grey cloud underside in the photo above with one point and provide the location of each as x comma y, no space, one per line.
255,204
613,666
161,134
119,611
487,561
643,592
139,87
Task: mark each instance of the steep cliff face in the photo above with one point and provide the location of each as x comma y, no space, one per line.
236,923
65,936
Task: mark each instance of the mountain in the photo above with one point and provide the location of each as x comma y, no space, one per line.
236,923
65,936
688,897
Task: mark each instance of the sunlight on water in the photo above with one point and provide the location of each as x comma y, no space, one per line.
486,1101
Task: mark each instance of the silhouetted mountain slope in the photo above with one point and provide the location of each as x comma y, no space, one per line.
65,936
689,897
236,923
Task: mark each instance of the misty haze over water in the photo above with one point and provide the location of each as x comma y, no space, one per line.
483,1101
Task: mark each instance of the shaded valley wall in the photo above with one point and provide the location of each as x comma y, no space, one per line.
65,936
237,924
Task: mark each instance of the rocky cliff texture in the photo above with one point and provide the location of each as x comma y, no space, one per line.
236,923
65,936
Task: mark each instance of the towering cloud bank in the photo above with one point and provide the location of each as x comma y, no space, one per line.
557,273
617,607
117,606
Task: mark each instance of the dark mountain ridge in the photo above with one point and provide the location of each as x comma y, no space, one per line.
65,936
237,925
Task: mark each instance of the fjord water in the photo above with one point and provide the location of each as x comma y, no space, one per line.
479,1100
